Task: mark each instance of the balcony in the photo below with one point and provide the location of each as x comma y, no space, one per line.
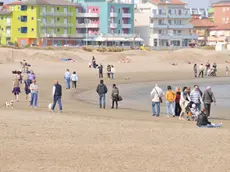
87,15
174,36
56,25
113,25
126,26
180,16
56,14
8,35
113,14
186,26
157,26
7,24
159,16
126,15
87,25
77,35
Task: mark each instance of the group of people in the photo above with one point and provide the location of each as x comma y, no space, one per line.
110,71
71,78
185,104
206,70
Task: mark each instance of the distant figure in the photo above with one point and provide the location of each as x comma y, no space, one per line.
112,72
201,70
67,76
177,106
115,96
108,71
57,95
34,94
208,98
208,65
184,101
195,70
100,71
226,70
94,63
156,95
170,101
74,80
27,83
16,89
102,90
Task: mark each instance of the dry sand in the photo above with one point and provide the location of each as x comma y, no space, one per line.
85,138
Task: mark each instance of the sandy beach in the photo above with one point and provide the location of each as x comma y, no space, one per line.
86,138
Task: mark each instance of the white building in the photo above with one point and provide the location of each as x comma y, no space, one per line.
203,12
169,24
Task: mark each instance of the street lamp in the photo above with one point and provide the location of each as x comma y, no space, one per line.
38,32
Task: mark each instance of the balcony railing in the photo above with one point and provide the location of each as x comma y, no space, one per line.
158,26
87,15
174,36
113,14
180,16
162,15
87,25
126,25
77,35
126,15
56,25
186,26
113,25
7,24
56,14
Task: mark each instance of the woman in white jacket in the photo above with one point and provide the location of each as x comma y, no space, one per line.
184,101
74,80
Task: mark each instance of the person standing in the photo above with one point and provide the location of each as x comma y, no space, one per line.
100,70
208,98
184,101
67,79
27,83
196,97
108,71
112,72
208,65
201,69
156,95
170,101
34,94
57,95
74,80
226,70
177,106
195,70
16,89
32,76
101,91
115,96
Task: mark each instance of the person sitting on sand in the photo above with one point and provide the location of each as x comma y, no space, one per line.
202,121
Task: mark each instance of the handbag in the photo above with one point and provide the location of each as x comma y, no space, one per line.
210,97
160,99
119,98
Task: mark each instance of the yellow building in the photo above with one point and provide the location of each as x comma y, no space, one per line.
45,22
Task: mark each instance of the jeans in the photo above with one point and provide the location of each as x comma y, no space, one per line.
177,109
172,104
102,100
157,104
34,99
211,126
201,74
208,109
57,99
198,106
67,82
112,75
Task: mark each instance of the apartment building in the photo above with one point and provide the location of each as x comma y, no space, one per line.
202,12
45,22
170,24
221,12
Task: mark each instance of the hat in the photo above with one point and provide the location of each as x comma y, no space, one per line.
193,106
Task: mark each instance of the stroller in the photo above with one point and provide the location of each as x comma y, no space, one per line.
192,112
212,72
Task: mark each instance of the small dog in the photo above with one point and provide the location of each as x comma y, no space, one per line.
9,104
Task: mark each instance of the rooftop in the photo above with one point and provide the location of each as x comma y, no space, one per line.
221,27
202,23
221,3
43,2
164,2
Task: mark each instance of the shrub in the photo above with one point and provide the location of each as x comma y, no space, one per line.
87,49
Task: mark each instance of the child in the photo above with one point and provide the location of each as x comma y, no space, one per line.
226,71
194,112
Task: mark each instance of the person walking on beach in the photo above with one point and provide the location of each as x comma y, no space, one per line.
57,95
16,89
102,91
226,71
115,96
208,98
112,72
177,106
195,70
74,80
156,95
34,94
208,65
196,97
201,69
100,71
67,77
108,71
27,83
184,101
170,101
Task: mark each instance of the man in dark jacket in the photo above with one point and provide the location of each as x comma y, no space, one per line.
102,90
208,98
57,94
202,119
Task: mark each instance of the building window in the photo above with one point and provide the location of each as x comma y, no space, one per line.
119,31
57,8
23,8
19,29
179,32
32,29
24,29
119,10
32,18
160,31
32,7
2,29
58,30
119,21
58,19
